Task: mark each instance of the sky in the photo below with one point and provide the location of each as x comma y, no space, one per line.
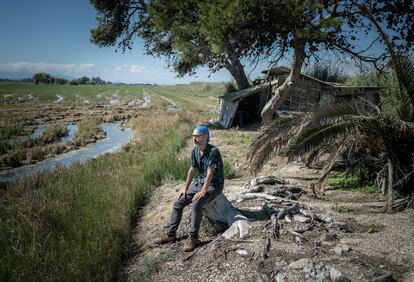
53,36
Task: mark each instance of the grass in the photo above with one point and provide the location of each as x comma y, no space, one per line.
8,130
343,209
348,182
147,266
236,137
54,132
74,225
88,129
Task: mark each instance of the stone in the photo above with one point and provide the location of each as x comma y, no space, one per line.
280,277
337,276
340,249
301,264
242,252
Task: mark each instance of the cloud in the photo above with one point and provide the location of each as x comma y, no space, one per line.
133,69
70,69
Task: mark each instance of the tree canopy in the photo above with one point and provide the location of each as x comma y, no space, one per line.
220,34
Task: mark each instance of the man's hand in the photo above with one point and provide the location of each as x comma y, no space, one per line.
199,195
183,193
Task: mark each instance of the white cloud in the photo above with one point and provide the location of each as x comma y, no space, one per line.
133,69
70,69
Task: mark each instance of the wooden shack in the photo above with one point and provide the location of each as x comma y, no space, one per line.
243,107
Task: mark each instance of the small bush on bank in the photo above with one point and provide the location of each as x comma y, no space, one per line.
54,132
88,131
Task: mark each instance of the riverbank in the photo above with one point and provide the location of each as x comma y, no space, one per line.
74,224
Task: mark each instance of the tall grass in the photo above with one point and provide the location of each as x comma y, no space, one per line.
53,132
88,129
11,129
74,225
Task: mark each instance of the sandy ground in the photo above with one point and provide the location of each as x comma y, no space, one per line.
374,245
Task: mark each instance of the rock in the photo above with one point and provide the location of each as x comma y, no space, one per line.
242,252
340,249
320,273
280,277
301,264
337,276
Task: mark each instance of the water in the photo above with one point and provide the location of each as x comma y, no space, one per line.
115,139
71,134
38,132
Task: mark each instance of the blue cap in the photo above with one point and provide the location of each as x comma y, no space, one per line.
203,130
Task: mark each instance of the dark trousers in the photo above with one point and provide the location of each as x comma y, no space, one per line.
196,207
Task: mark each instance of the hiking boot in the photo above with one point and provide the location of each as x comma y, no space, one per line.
190,244
166,239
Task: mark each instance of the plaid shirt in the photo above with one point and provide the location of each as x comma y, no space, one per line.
210,159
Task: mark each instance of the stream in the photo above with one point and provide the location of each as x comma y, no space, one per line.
115,139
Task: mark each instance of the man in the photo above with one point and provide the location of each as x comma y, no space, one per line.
209,184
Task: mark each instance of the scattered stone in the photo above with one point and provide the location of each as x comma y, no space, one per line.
337,276
301,264
340,249
241,252
320,273
280,277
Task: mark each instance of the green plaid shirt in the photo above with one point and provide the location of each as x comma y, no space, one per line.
210,159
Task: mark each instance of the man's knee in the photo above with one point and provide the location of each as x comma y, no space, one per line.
197,205
179,204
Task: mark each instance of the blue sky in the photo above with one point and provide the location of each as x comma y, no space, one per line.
53,36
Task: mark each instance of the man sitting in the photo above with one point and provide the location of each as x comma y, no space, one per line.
205,158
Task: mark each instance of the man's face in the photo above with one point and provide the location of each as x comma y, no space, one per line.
198,138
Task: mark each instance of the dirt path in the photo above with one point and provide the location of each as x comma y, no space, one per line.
359,244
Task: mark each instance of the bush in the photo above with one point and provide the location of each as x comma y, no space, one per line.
54,132
88,131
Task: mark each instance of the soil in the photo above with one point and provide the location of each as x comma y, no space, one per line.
360,244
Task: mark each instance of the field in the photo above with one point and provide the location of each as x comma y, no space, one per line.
74,224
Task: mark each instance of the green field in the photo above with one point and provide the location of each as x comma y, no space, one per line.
74,224
17,94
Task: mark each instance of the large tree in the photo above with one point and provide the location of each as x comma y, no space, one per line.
190,33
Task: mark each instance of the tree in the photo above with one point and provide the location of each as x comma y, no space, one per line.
83,80
188,33
337,26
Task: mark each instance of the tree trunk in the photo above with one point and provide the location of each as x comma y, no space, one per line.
283,90
220,211
237,71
